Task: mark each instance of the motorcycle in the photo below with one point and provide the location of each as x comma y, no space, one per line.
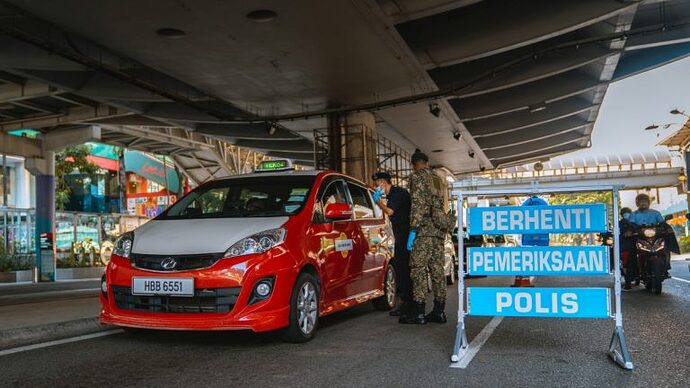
652,255
606,240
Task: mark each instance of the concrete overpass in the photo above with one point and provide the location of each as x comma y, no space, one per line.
630,171
509,81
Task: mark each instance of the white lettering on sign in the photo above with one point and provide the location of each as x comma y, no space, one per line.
545,260
537,219
525,303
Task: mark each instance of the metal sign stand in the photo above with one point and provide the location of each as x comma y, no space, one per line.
618,349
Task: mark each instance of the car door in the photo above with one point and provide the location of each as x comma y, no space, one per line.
370,232
333,240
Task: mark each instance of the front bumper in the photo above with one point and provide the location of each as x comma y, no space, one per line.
240,273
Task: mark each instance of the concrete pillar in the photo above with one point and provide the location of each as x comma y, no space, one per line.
352,144
44,169
22,185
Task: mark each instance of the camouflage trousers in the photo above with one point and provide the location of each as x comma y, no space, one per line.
427,261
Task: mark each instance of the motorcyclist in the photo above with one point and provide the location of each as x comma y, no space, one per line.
644,215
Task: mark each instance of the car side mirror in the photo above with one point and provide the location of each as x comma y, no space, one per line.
338,211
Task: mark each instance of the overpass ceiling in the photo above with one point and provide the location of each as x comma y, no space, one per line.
521,81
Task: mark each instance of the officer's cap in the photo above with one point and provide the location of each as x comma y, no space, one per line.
382,175
419,156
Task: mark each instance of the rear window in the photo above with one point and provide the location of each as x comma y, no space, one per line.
266,196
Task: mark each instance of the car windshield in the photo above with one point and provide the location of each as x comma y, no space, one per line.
258,196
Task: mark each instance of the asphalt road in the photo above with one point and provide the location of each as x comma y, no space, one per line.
362,347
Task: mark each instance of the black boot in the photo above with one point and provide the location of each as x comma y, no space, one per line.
400,310
438,314
415,315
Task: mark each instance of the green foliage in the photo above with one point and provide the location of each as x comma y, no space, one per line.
15,263
577,198
580,198
65,162
684,243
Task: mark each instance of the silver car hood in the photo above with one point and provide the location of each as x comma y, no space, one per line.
209,235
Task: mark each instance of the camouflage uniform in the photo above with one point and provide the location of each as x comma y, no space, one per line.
427,251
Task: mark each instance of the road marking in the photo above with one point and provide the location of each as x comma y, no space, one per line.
680,280
59,342
477,343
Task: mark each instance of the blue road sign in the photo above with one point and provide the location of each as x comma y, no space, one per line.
539,302
538,219
551,261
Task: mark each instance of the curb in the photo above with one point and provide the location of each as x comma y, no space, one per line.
22,336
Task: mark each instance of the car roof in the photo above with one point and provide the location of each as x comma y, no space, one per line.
288,173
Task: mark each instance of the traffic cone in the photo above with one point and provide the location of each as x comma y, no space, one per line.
523,281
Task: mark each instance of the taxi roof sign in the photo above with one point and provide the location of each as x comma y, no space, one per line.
274,165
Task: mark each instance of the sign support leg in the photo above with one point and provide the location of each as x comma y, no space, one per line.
461,344
618,349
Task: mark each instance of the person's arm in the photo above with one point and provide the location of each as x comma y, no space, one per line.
419,196
382,204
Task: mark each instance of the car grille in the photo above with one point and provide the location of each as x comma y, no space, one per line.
182,262
207,300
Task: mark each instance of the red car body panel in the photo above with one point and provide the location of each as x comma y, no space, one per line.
346,279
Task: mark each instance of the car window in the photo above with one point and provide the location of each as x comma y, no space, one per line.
361,201
244,197
334,193
331,191
206,203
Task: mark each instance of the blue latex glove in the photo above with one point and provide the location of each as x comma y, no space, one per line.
410,239
377,194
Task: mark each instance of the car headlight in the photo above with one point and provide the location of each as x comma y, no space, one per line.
649,233
257,243
123,245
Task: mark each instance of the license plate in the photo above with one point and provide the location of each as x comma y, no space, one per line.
163,286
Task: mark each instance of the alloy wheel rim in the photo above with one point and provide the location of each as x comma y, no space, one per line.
307,308
390,287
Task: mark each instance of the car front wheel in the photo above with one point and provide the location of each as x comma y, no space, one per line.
304,310
390,285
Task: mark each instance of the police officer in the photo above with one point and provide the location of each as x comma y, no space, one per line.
397,207
426,242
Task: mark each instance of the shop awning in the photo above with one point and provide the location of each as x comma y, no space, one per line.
153,169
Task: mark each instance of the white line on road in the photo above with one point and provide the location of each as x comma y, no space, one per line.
680,280
59,342
477,343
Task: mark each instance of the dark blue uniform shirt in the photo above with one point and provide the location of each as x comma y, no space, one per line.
399,201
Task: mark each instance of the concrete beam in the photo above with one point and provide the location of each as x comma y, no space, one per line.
522,97
401,11
540,146
533,134
511,122
69,116
20,146
661,177
458,36
69,137
25,91
529,70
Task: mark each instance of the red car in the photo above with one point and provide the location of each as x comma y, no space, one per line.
263,251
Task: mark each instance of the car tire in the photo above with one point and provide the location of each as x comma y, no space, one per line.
304,310
390,286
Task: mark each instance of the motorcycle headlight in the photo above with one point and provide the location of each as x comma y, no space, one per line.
257,243
643,247
649,233
123,245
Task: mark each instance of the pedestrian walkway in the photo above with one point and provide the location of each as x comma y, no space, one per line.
31,313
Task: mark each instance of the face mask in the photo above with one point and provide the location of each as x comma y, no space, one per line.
626,216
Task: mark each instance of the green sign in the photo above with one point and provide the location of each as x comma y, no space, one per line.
268,165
